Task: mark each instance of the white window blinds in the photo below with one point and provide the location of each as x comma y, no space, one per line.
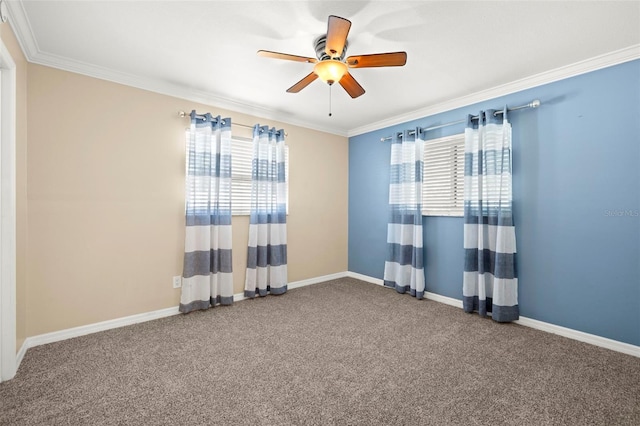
241,158
443,180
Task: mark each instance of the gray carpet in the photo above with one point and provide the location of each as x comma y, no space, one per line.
340,352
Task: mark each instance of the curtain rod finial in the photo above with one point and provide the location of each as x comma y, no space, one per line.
535,103
182,114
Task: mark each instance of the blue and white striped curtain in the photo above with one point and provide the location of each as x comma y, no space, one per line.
267,254
403,269
207,274
490,282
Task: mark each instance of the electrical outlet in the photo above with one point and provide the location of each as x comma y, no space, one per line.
177,281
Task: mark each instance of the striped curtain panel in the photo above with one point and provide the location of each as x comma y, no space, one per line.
267,254
207,275
490,282
403,269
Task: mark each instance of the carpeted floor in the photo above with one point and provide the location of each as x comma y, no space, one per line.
340,352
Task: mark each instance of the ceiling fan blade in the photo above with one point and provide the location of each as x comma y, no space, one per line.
393,59
352,87
337,31
286,56
302,83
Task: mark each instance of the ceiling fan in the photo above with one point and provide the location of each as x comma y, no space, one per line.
331,65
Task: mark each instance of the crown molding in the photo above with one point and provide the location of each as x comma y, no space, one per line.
602,61
174,90
27,41
22,29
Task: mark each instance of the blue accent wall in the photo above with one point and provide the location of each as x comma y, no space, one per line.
576,180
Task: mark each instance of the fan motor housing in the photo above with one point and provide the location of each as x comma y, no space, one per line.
320,44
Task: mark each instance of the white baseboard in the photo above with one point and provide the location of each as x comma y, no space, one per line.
302,283
20,354
443,299
366,278
592,339
316,280
56,336
580,336
238,297
69,333
431,296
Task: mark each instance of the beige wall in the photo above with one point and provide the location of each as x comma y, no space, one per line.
11,43
106,198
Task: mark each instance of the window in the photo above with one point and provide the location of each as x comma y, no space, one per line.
443,177
241,158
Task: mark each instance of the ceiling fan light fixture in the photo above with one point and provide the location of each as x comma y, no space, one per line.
331,65
330,70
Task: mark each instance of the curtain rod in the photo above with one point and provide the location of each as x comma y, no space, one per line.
533,104
183,114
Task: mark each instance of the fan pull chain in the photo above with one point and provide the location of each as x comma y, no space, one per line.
330,86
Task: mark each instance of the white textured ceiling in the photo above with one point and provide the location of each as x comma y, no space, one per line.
206,50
